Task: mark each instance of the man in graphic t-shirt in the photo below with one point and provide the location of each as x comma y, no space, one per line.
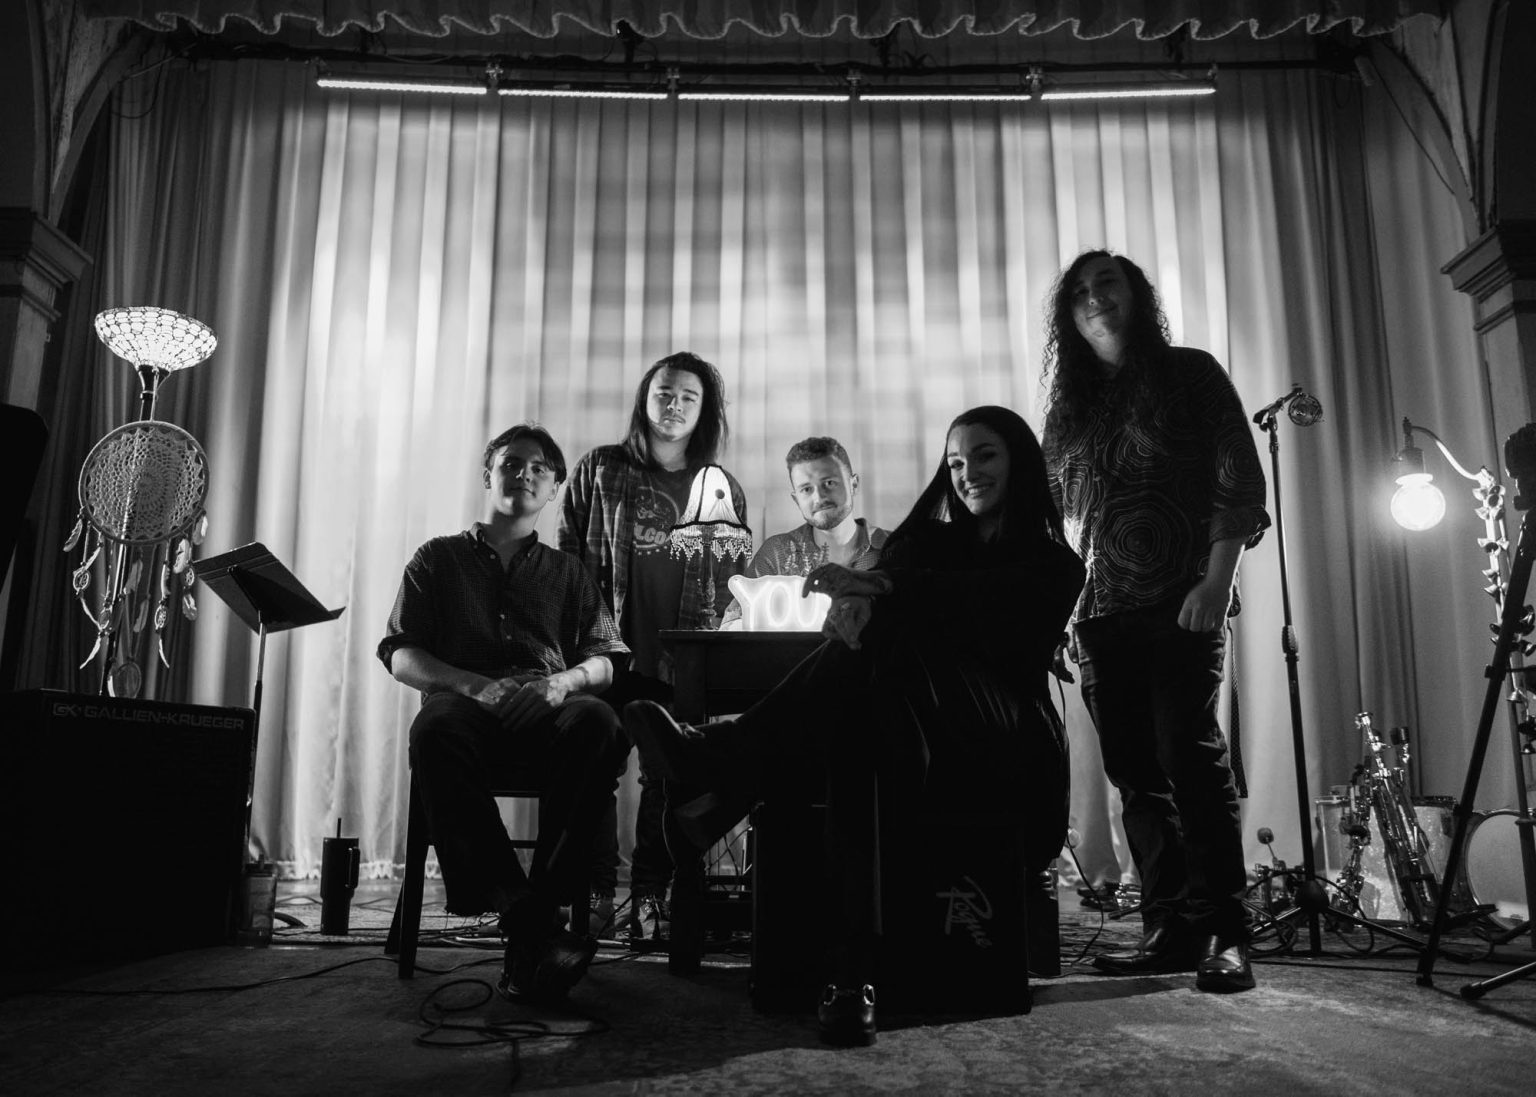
617,516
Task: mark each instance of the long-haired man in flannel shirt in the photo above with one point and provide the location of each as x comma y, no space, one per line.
616,516
508,639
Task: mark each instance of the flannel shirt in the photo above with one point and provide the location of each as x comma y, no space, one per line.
597,517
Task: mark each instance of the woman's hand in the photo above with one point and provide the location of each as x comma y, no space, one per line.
846,619
1205,606
840,582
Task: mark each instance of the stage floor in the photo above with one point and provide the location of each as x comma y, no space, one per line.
326,1016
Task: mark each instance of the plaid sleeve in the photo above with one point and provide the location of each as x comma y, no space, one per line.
597,633
575,507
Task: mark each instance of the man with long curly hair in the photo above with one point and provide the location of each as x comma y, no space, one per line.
1158,479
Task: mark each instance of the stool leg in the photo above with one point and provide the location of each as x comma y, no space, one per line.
405,927
685,942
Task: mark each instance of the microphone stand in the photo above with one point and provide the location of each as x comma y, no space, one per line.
1310,896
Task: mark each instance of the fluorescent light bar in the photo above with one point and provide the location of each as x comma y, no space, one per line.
1021,96
582,93
767,96
1121,91
374,83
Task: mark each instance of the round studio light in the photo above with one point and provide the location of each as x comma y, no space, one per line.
1417,504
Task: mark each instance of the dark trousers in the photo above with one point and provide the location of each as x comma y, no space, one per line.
1151,688
899,726
650,863
572,754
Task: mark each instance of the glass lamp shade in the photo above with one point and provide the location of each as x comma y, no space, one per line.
710,517
1417,504
155,338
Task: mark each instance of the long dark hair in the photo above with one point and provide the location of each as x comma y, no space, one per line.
1072,366
712,432
1029,512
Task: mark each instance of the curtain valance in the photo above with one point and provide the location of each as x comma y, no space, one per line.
708,19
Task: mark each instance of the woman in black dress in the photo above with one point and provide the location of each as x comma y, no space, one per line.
931,689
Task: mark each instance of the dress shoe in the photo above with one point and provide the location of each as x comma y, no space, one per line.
1224,967
1164,949
649,920
846,1017
546,970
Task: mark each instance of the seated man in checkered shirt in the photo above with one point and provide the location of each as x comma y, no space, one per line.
509,640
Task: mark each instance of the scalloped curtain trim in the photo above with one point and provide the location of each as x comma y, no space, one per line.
709,19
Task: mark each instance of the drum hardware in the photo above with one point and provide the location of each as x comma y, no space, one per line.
1514,623
1274,880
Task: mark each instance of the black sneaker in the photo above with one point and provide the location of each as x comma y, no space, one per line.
545,971
649,920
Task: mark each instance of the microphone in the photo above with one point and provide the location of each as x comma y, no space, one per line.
1304,409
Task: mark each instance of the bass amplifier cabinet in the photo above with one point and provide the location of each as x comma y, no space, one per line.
124,822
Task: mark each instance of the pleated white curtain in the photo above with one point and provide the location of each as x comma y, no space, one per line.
394,280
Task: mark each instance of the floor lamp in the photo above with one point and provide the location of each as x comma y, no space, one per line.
1418,505
141,489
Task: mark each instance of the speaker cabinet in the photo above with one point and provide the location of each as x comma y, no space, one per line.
125,825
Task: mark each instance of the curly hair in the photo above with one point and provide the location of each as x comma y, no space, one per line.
1071,365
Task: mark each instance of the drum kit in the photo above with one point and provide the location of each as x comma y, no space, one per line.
1386,851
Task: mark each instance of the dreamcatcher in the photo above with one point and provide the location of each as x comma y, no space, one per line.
142,490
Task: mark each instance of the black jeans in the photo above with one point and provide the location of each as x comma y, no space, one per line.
572,754
1151,688
650,864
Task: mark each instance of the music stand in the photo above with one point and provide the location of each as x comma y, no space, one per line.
269,598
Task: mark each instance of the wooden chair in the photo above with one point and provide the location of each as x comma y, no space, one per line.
405,927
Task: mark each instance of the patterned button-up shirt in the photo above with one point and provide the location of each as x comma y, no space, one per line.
797,553
541,614
1143,501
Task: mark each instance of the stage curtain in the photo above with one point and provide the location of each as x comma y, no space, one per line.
394,280
716,18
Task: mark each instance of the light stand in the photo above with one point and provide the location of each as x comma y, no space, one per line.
1514,623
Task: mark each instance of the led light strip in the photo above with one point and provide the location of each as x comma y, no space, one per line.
766,96
1153,91
433,87
942,97
582,93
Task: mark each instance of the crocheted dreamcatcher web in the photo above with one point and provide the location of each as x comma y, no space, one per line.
142,489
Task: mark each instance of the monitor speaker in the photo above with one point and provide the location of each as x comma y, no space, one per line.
125,825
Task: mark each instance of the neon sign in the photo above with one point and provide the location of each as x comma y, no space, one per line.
772,603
